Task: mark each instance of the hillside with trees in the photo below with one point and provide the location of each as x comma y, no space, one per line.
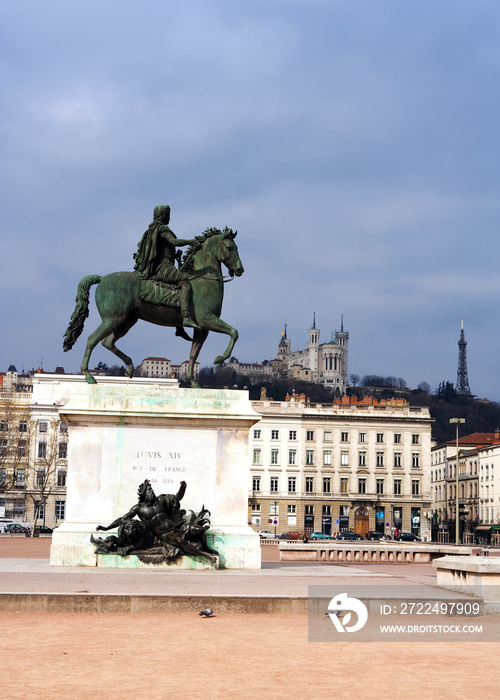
444,403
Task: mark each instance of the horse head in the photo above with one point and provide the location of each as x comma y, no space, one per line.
228,253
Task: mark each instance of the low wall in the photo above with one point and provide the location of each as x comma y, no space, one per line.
475,576
356,551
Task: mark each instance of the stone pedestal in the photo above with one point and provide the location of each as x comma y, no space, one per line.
122,431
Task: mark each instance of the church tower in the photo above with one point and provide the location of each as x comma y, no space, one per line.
313,345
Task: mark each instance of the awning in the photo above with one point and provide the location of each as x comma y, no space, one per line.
495,527
484,528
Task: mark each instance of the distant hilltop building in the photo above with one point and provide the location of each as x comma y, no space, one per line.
162,368
321,363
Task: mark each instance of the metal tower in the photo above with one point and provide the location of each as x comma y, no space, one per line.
463,388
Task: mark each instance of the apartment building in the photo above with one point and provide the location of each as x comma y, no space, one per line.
345,466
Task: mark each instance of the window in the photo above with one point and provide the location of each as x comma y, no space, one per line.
415,439
310,435
257,434
292,456
415,487
61,477
3,475
292,435
292,484
275,456
380,437
397,487
42,450
63,428
397,438
397,459
63,450
326,510
344,511
274,484
344,459
291,508
309,456
255,516
3,447
275,434
274,509
362,437
344,437
309,510
60,510
257,456
362,459
327,484
23,426
21,448
327,457
20,477
40,477
42,426
361,485
309,484
327,436
380,459
380,486
415,460
344,485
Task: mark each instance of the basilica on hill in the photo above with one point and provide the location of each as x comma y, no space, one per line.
321,363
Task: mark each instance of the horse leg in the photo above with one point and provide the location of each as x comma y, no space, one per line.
212,323
199,338
109,343
107,326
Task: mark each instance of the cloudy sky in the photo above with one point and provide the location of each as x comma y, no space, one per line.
354,145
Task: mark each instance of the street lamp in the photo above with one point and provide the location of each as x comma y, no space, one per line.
275,516
457,421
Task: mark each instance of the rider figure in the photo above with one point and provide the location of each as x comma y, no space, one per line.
155,258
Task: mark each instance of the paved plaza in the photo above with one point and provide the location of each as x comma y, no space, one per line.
231,655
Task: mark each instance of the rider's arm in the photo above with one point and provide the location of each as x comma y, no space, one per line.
173,240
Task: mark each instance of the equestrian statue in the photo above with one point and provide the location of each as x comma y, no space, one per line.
188,295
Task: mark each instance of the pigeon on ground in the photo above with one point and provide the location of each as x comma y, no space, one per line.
207,613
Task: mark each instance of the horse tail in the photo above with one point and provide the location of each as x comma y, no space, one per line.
81,311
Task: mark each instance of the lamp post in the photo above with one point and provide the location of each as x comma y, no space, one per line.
275,516
457,422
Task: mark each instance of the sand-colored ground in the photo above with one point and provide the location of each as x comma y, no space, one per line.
182,655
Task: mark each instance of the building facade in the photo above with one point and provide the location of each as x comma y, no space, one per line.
474,474
33,460
347,466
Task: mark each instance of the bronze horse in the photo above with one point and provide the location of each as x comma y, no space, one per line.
120,299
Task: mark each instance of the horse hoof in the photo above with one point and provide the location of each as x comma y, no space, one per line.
218,360
129,372
89,378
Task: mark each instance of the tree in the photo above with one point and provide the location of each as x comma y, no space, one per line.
425,387
354,379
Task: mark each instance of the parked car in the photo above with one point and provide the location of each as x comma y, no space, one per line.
407,537
289,536
372,535
265,534
348,535
321,536
17,528
4,523
43,530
